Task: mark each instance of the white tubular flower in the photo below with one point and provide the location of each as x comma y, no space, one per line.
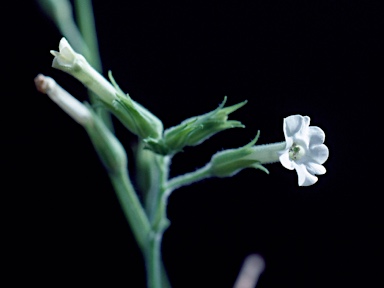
135,117
74,108
304,150
66,57
67,60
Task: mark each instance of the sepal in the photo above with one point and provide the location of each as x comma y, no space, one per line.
135,117
195,130
229,162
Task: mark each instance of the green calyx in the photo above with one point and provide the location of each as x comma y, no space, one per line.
195,130
229,162
135,117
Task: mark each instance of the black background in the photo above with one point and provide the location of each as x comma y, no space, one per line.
62,222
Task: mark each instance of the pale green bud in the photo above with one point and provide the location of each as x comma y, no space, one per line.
110,150
195,130
63,99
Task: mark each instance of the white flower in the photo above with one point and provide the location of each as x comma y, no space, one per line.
304,149
76,65
66,58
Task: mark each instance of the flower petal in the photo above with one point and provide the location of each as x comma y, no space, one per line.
319,153
294,124
67,53
315,168
66,50
305,178
316,136
65,57
285,161
63,44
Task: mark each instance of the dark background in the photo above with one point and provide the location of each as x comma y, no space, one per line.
62,222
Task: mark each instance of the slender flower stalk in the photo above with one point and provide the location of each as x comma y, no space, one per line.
188,178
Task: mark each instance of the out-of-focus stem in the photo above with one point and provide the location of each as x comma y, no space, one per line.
87,28
86,22
132,208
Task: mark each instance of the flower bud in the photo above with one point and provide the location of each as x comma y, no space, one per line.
110,150
63,99
195,130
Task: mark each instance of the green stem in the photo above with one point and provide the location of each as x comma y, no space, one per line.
86,22
61,14
70,31
188,178
160,221
148,240
153,199
132,208
164,277
153,262
157,276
